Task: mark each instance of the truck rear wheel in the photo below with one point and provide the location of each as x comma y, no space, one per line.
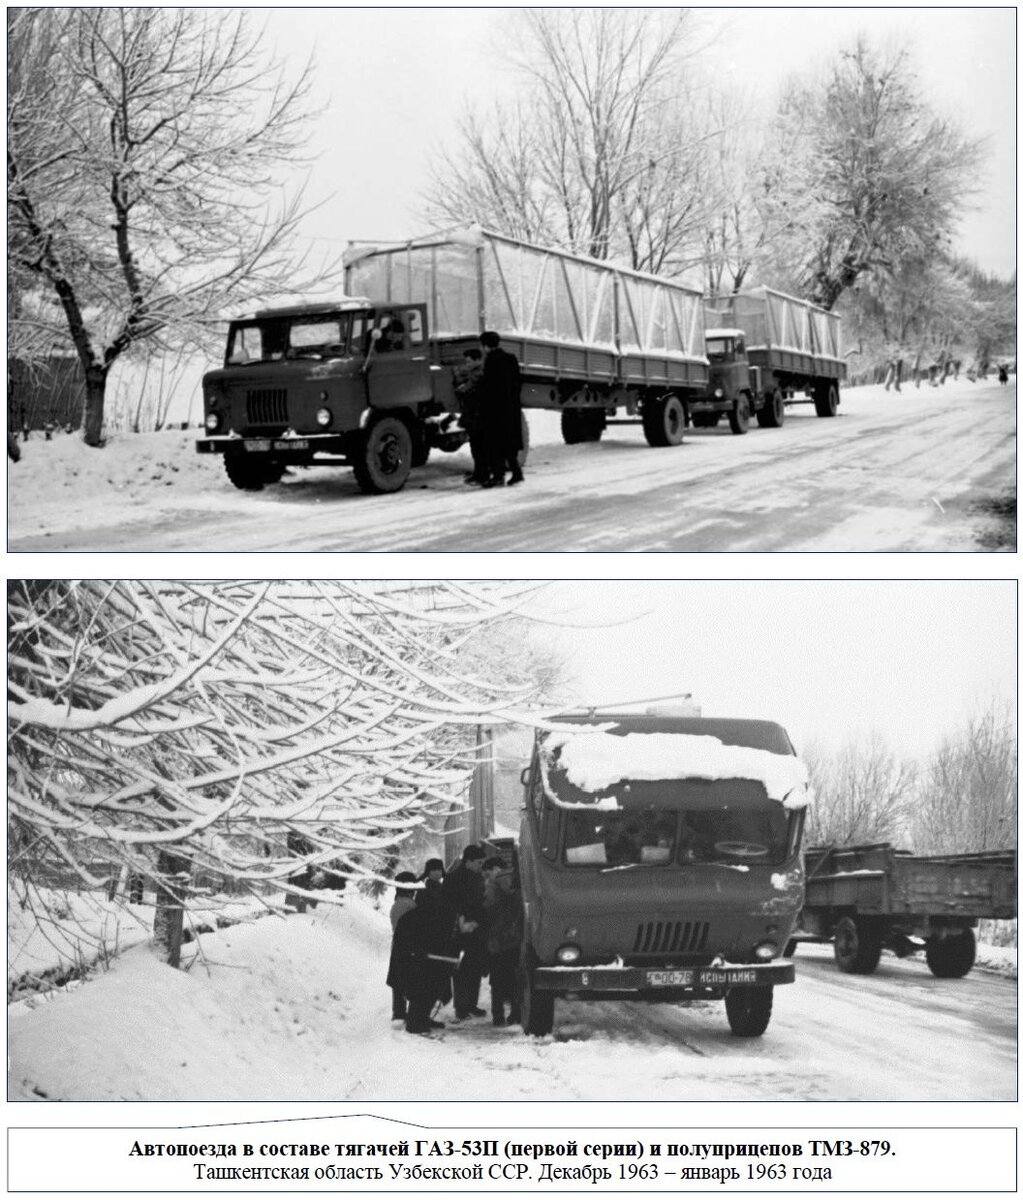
252,473
738,418
537,1007
664,421
581,425
749,1009
383,456
825,399
772,415
857,946
952,957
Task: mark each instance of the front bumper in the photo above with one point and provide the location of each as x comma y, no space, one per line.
655,983
294,447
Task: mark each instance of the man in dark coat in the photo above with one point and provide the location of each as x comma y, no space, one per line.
463,890
423,955
503,907
501,411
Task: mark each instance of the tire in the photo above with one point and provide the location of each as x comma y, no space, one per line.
749,1010
825,399
383,456
739,417
857,946
664,421
252,474
951,957
581,425
772,415
536,1007
706,420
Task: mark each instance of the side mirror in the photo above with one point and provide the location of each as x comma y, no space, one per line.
375,335
524,776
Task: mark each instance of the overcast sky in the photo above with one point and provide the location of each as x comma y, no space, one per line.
830,660
392,83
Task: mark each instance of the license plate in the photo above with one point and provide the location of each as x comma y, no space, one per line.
670,978
257,445
292,444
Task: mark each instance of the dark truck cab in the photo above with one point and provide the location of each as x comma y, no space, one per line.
348,382
668,870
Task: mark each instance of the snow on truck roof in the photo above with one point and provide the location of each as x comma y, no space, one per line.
723,333
596,760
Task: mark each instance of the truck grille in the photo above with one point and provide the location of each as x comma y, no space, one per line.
670,937
267,406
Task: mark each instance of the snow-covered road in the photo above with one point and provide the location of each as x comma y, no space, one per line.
295,1008
891,472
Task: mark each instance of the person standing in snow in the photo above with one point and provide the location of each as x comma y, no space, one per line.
404,901
501,412
463,890
468,380
423,954
502,903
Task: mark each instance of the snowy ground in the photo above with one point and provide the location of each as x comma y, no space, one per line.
295,1008
879,477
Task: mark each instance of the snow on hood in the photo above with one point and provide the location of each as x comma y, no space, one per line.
595,761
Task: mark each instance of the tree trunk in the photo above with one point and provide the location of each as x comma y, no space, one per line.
168,921
95,395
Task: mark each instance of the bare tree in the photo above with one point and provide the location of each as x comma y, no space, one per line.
145,152
968,791
598,155
864,793
194,734
869,174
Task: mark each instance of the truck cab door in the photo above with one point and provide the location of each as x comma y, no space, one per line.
397,366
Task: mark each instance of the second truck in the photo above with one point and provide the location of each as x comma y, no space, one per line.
368,381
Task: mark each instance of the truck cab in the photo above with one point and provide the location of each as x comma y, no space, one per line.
660,861
733,389
347,381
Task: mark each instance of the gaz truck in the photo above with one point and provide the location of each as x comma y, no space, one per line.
659,859
370,380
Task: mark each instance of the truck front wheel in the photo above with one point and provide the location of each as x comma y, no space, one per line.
738,418
857,946
537,1006
951,957
749,1009
252,473
772,415
664,421
382,457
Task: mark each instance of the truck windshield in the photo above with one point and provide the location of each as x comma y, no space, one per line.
691,821
273,339
721,350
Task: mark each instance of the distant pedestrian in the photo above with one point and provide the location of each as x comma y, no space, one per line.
502,904
13,449
1003,373
468,386
404,901
502,411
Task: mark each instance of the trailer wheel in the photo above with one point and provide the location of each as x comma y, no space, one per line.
857,946
382,457
524,452
252,474
582,425
738,418
749,1009
825,399
951,957
537,1007
772,415
664,421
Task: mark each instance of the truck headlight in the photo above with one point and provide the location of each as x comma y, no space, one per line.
765,951
324,417
568,954
719,393
212,422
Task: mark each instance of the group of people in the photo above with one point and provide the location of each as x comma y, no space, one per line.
450,930
489,387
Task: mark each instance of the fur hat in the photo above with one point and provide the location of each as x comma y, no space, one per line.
472,853
433,864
